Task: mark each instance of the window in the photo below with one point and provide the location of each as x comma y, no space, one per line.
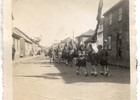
109,42
110,19
120,14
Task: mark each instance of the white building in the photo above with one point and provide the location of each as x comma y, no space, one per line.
23,44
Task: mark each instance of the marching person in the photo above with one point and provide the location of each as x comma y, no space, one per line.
93,59
59,54
104,61
70,56
50,54
81,61
71,53
65,54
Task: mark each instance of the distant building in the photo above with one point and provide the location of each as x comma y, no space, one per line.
116,30
35,47
85,36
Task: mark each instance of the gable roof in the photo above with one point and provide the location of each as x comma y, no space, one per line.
87,33
20,34
23,35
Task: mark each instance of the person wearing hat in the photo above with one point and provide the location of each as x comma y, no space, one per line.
81,61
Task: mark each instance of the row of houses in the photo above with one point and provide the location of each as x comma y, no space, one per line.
114,28
24,45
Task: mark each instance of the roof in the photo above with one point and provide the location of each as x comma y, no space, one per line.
20,34
87,34
23,35
16,34
115,6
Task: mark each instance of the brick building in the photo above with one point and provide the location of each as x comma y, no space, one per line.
116,30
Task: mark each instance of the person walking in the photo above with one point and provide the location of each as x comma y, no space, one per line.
81,61
13,52
93,59
50,54
104,61
59,54
66,54
70,56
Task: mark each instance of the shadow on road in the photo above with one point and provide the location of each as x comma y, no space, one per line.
38,76
68,74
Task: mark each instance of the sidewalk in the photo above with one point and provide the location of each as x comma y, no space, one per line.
119,63
25,58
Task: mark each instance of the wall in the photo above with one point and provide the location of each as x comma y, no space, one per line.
16,42
118,27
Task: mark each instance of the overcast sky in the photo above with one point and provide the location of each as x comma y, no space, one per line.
56,19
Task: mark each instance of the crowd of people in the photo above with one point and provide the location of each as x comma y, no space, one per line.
79,55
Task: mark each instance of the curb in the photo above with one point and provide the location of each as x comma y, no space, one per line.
119,65
24,59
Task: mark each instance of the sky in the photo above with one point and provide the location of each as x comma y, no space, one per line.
55,20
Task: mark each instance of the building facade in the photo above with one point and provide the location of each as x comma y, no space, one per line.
16,43
24,45
116,30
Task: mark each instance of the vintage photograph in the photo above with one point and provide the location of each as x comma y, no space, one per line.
71,50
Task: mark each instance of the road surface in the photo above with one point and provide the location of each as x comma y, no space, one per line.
37,79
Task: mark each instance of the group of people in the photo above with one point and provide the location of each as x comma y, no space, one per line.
80,55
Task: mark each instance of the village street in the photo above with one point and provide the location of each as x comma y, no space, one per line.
37,79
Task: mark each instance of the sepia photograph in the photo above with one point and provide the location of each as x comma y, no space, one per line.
72,50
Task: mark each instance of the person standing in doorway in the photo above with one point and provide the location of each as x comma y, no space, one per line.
13,52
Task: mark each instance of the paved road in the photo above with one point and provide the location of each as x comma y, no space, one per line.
37,79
